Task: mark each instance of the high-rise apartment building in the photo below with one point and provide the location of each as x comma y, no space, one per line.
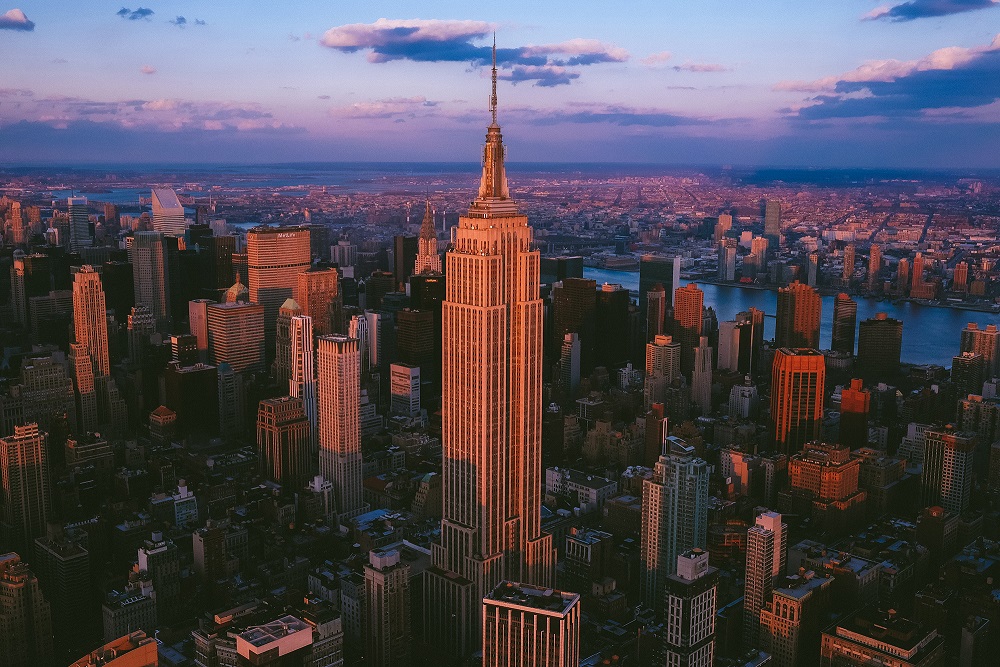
283,442
428,260
845,321
530,626
151,276
798,316
236,336
985,342
848,271
663,366
949,473
79,224
319,297
275,258
168,213
874,267
25,616
387,602
797,392
338,392
767,552
689,627
855,404
880,346
492,412
688,305
674,515
24,472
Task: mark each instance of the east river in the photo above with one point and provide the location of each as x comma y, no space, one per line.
930,334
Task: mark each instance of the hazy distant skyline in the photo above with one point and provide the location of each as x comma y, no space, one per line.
782,82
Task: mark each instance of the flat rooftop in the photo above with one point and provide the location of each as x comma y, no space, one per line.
535,598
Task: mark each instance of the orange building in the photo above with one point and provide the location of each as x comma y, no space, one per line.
797,380
798,315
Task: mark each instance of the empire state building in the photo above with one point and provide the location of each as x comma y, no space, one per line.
491,404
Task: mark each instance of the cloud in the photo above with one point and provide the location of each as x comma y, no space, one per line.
135,14
147,69
919,9
654,59
622,116
16,20
700,67
393,107
16,92
435,40
323,97
953,77
182,22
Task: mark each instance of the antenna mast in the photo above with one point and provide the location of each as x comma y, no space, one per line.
493,98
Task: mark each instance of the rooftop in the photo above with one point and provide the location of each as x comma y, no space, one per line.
533,597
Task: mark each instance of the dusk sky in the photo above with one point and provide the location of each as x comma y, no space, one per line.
773,82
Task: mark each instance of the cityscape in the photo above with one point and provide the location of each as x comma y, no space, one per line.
264,408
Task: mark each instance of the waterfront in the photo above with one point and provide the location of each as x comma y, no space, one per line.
930,334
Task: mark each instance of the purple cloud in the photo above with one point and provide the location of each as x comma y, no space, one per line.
422,40
700,67
16,20
919,9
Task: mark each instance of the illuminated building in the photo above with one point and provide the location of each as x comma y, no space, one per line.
319,297
530,626
24,472
236,336
338,392
275,258
283,442
688,304
168,214
797,392
689,627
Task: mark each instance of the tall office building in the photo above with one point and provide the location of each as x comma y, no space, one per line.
404,390
338,394
985,342
283,442
855,403
275,258
948,474
25,616
968,371
198,324
654,269
772,220
848,270
792,620
616,326
64,570
168,214
767,552
903,277
724,224
689,626
663,366
569,365
151,276
874,267
90,318
24,472
86,388
302,383
428,260
283,341
845,321
917,275
530,626
236,336
492,412
79,224
726,269
880,346
656,311
574,304
387,603
701,377
797,392
674,515
798,316
317,292
688,305
404,258
232,400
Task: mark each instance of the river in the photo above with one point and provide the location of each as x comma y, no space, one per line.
930,334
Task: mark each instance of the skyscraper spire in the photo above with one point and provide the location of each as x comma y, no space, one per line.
493,185
493,97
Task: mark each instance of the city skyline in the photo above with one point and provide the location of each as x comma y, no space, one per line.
909,84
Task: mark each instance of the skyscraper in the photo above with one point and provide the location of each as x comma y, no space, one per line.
874,267
688,305
855,403
79,224
767,551
797,392
25,616
845,320
656,310
948,474
302,383
574,304
387,602
283,341
168,214
24,472
318,294
960,279
283,435
663,366
492,410
339,425
275,258
880,345
236,335
984,341
689,632
428,259
654,269
530,626
772,222
151,280
701,377
674,515
90,318
798,316
848,271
